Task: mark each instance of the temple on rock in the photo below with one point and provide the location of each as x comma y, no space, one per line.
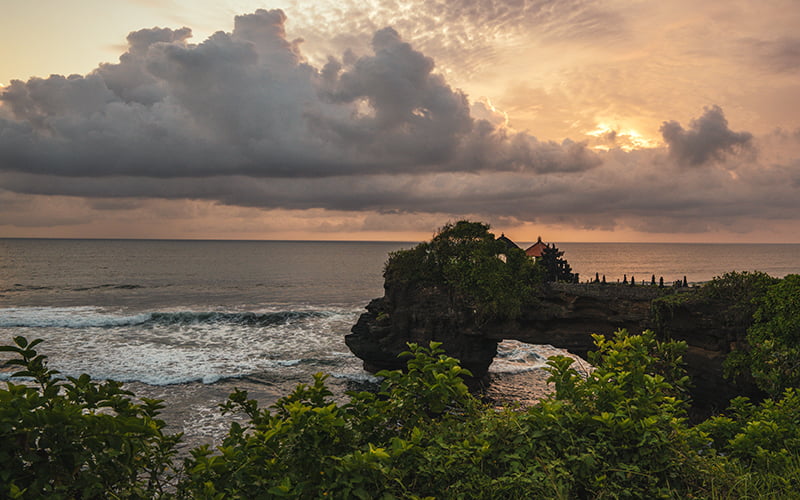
536,249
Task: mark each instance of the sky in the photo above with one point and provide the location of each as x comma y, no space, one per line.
574,120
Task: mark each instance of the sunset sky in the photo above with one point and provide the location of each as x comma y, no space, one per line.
616,120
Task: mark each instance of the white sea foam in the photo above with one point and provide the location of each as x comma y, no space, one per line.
66,317
518,357
288,362
174,347
358,377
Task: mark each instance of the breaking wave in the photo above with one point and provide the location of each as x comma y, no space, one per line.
86,317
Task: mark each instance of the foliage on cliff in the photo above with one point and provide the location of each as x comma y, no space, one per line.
763,311
730,297
473,265
772,350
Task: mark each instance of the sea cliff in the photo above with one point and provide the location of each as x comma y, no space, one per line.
563,315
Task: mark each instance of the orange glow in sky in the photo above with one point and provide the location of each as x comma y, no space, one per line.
385,119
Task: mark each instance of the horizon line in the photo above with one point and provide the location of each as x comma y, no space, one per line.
374,241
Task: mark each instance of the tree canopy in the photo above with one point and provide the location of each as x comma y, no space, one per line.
466,258
555,266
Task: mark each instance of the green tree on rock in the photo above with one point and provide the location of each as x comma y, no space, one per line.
467,259
554,266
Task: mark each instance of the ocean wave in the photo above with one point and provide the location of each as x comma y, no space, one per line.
19,287
85,317
153,378
237,318
204,373
519,357
66,317
107,286
360,377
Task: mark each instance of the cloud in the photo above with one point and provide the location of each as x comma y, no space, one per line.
477,31
244,121
708,138
642,189
247,103
781,55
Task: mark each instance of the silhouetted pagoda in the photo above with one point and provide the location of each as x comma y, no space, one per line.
508,243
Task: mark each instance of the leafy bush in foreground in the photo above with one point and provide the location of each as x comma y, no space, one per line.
618,432
78,438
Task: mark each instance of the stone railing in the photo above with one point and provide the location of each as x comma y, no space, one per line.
614,290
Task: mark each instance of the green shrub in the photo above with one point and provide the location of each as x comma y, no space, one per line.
617,432
621,430
772,353
374,443
734,291
77,438
762,440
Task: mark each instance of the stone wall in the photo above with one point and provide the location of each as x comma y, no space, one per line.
616,290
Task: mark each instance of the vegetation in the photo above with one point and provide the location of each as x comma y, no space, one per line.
554,266
767,312
771,354
619,432
739,291
730,298
468,260
77,438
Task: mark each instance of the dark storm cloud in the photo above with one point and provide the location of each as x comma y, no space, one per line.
243,119
246,103
635,186
641,189
708,138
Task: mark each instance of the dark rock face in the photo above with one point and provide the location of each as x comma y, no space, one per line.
712,329
419,315
566,315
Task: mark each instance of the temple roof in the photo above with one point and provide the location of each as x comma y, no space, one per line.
507,241
536,249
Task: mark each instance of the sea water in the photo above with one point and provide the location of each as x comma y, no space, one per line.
187,321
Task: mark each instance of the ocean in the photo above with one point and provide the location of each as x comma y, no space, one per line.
187,321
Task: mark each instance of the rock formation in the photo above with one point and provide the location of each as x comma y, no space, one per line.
420,315
565,316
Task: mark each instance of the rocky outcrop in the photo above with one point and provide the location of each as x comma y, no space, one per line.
420,315
712,328
565,316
